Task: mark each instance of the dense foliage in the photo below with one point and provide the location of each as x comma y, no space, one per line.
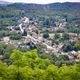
46,14
16,37
28,66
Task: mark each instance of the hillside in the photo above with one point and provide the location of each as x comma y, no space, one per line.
39,42
59,6
52,6
10,13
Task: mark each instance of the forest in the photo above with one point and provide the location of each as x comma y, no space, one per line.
29,66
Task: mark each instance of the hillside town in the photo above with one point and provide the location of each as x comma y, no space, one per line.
39,40
32,34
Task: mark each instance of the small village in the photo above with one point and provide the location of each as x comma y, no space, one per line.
34,35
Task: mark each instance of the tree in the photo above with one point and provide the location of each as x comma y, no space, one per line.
46,35
78,44
69,46
6,50
29,66
16,37
3,71
65,36
56,36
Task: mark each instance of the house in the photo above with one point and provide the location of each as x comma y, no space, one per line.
6,39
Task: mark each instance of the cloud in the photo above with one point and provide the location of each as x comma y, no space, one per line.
42,1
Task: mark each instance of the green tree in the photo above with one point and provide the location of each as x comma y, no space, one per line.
65,36
46,35
29,66
16,37
56,36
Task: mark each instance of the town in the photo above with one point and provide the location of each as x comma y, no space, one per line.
39,40
45,37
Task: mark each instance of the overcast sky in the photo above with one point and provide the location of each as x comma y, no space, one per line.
41,1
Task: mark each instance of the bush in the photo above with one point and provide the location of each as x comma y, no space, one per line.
65,36
46,35
16,37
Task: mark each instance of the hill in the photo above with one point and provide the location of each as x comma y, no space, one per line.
66,5
13,11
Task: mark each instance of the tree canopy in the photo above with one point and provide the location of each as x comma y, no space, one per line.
29,66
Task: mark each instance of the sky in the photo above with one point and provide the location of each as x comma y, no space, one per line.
41,1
